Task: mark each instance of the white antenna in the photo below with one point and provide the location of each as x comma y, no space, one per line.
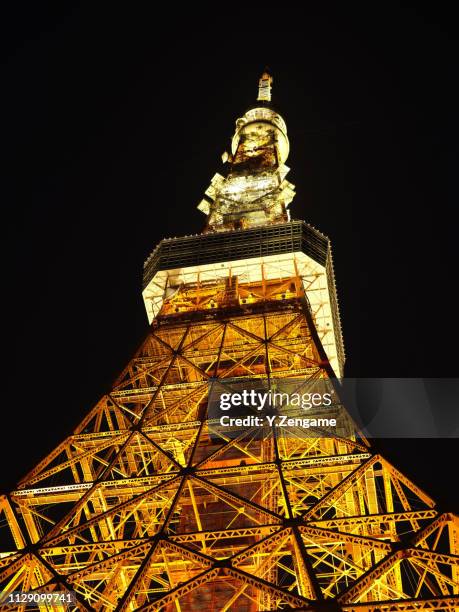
264,87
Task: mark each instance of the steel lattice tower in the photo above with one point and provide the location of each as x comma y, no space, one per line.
141,508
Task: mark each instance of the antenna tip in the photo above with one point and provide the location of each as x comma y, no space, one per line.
264,86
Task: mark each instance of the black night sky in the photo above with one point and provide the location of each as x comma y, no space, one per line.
114,121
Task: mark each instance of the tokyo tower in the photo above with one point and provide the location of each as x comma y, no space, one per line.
149,506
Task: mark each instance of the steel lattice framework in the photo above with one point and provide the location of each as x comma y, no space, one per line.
146,506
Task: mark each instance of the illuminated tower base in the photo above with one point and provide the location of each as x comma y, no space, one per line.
146,507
